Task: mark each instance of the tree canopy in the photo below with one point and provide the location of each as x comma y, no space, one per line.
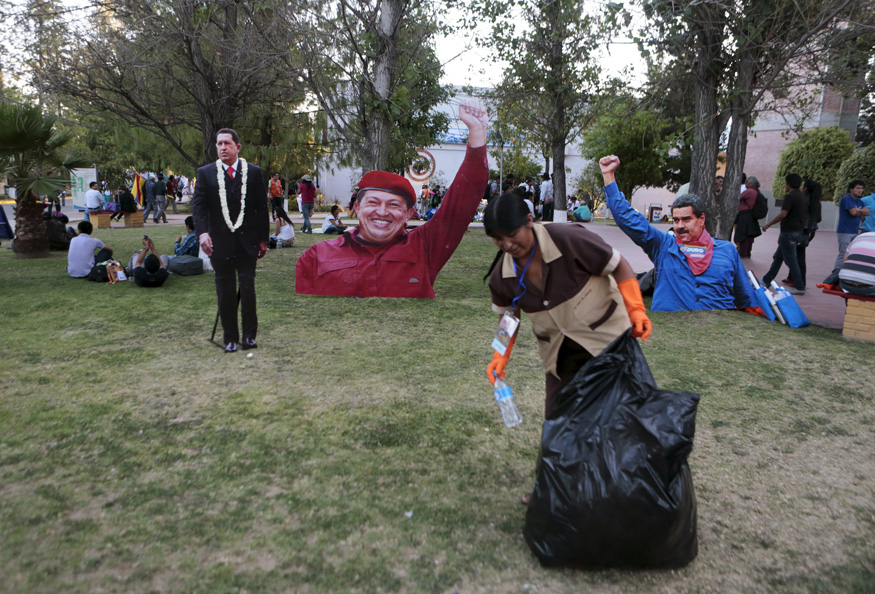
815,154
745,57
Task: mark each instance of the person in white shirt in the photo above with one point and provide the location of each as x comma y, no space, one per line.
93,200
284,233
81,256
547,196
333,224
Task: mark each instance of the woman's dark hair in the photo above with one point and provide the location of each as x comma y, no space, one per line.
503,216
815,190
334,208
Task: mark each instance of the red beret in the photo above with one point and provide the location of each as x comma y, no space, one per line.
388,182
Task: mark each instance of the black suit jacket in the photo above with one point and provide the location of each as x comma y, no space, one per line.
207,211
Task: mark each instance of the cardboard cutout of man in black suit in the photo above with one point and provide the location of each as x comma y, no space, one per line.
233,252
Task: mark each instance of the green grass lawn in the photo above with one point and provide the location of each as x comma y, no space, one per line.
360,449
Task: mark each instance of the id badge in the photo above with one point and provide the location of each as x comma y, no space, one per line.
506,329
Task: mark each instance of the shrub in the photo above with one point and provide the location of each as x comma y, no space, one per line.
815,154
861,165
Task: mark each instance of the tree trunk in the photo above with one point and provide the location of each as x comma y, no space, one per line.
560,203
707,131
726,208
31,240
380,125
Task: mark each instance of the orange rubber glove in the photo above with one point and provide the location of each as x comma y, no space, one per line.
631,292
499,362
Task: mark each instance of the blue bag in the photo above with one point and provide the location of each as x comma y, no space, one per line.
764,303
790,309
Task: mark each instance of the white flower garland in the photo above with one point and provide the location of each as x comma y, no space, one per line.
223,198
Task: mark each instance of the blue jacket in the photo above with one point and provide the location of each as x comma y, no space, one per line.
724,285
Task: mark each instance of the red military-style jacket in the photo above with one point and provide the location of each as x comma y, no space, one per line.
406,266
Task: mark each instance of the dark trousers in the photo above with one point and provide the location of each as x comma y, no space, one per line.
745,246
547,215
241,267
276,206
570,359
800,251
786,254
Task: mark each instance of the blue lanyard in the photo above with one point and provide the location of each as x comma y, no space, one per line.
523,276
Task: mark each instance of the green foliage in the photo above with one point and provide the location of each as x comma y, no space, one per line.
591,182
638,137
173,67
34,155
377,79
416,123
815,154
551,83
513,158
861,165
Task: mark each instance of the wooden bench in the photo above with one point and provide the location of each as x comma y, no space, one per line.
133,219
859,315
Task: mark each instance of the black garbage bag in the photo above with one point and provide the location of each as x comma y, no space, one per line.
613,487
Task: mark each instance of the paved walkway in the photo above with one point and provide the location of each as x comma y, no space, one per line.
823,310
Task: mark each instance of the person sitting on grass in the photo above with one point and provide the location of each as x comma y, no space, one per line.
57,231
149,270
333,224
284,231
81,255
188,245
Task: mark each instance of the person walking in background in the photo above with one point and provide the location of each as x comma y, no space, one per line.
149,197
794,213
812,192
746,226
275,192
547,197
160,190
171,185
308,201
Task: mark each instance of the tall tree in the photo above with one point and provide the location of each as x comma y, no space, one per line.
746,56
172,65
370,64
641,139
552,78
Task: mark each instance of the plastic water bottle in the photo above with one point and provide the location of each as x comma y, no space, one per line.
504,398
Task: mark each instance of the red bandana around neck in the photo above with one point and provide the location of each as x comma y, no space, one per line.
698,253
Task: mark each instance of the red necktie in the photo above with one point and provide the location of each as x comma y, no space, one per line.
231,172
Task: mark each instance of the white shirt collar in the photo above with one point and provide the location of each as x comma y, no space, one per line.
236,166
